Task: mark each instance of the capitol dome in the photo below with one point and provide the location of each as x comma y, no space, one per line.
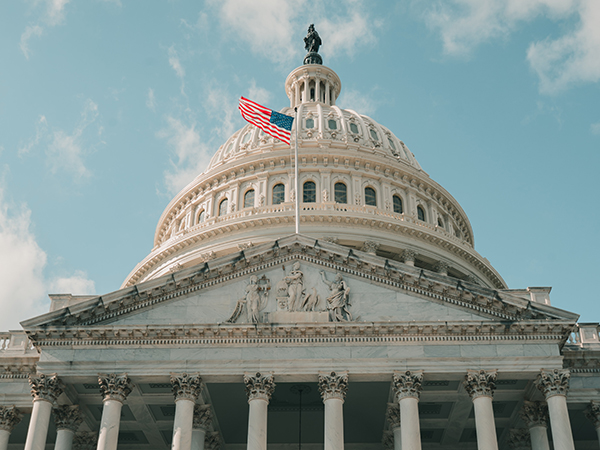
360,187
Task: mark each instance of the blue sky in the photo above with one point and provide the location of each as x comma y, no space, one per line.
108,108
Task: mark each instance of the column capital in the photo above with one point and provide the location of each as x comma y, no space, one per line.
85,440
186,386
393,415
407,384
480,383
67,417
212,441
519,437
10,417
534,414
202,417
114,386
592,412
45,387
259,386
553,382
408,255
388,440
333,385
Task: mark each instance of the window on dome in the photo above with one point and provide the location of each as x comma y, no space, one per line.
312,94
223,207
332,124
249,199
340,193
392,144
201,216
421,213
309,192
229,148
457,233
354,128
374,135
310,123
370,197
246,137
278,194
440,222
397,201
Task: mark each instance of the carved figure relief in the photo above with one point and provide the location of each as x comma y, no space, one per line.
254,301
338,301
291,294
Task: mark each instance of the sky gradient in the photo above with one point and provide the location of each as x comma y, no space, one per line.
109,108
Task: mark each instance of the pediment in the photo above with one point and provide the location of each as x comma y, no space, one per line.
378,291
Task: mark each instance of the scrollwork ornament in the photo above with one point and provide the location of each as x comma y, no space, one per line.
534,414
10,417
553,382
592,412
114,387
67,417
333,386
480,383
45,387
259,386
186,386
407,384
202,417
408,256
393,415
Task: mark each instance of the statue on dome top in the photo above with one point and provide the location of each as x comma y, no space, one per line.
312,41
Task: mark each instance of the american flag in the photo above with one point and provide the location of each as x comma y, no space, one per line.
271,122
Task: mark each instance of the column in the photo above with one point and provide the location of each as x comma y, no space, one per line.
535,416
202,423
115,389
67,419
186,389
407,390
480,385
333,388
10,417
327,102
393,417
408,257
45,389
554,384
592,412
259,389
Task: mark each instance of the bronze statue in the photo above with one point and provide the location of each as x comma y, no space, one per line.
312,41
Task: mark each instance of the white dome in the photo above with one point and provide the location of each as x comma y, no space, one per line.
361,187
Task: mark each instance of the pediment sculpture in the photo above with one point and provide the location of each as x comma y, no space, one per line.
254,301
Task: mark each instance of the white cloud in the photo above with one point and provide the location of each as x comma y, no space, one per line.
344,34
357,101
78,284
258,94
175,64
30,31
595,128
55,11
559,63
151,100
41,129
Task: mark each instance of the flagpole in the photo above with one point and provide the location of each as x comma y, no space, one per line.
297,183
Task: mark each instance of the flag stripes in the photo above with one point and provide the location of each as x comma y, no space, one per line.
271,122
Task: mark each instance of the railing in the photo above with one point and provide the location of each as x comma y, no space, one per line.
584,335
14,343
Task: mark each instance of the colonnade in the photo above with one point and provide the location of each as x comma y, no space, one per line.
192,422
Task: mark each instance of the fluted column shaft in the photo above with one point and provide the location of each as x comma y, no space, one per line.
259,389
555,385
407,388
45,389
480,386
535,416
10,417
186,390
115,389
333,388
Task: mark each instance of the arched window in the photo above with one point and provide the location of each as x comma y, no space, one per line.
340,192
310,123
353,128
223,207
201,216
309,192
397,204
421,213
370,197
249,199
440,222
278,194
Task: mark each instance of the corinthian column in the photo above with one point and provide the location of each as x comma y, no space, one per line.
259,389
592,412
407,389
333,388
535,416
554,385
45,389
67,419
480,385
393,417
115,389
10,417
186,389
202,423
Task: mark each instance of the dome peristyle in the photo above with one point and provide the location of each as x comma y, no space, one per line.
360,187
